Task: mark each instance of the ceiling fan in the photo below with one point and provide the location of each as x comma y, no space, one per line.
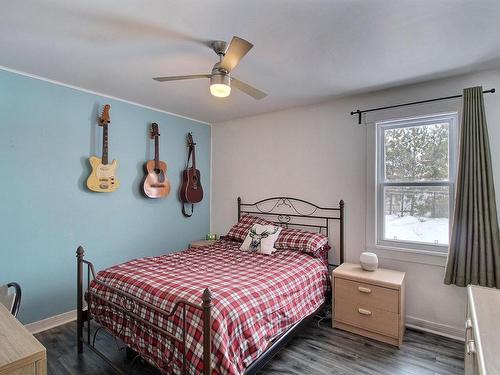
220,78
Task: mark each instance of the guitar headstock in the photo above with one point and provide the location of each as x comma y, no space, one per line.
105,119
190,140
154,130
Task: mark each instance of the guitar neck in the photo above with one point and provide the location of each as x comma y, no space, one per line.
105,144
157,152
194,157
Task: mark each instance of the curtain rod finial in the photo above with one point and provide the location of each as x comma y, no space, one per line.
359,113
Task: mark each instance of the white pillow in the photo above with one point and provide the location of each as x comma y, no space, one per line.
261,238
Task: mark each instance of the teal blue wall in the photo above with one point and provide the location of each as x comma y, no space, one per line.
47,133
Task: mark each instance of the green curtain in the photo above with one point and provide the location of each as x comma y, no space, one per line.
474,254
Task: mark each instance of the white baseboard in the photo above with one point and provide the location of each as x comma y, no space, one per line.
51,322
436,328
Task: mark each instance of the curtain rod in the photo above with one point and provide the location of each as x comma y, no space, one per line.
360,113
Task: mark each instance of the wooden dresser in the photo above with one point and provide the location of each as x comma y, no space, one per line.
482,331
369,303
20,351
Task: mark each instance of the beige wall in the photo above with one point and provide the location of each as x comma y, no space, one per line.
302,153
319,153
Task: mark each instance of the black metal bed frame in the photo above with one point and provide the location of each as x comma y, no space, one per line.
285,211
127,306
295,212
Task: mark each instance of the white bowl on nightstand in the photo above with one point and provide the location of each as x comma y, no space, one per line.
369,261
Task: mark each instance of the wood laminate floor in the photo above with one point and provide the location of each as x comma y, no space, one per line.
316,350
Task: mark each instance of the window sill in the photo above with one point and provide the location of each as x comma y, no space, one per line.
432,258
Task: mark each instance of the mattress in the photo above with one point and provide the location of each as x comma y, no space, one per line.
255,299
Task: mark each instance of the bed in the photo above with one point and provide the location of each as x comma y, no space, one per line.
211,310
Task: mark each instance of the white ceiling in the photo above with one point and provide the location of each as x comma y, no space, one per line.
305,51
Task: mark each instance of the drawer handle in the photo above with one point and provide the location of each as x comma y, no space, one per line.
362,289
470,347
468,324
364,312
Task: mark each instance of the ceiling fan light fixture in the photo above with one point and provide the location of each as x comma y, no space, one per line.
220,85
220,77
220,90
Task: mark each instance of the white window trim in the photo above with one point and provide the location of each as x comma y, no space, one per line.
433,258
452,119
413,255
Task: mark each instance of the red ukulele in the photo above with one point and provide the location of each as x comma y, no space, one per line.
191,190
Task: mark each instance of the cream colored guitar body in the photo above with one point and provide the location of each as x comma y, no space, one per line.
103,177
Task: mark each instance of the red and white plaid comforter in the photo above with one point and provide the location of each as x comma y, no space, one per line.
255,298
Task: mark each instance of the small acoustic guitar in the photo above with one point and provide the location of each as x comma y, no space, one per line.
103,177
156,184
191,190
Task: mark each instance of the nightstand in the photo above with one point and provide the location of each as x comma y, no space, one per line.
369,303
201,243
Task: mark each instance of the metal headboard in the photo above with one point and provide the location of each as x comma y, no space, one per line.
293,212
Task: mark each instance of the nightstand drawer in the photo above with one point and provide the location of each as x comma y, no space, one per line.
369,318
357,293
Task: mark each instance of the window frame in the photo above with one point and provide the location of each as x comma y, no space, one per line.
452,119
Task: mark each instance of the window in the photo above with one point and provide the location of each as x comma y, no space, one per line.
416,160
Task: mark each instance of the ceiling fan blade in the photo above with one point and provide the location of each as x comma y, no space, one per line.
179,78
235,52
247,89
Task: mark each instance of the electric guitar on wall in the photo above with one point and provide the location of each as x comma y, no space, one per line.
103,177
156,184
191,190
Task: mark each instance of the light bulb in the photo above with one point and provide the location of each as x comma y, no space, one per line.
220,90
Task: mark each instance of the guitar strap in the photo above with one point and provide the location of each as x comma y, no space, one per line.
184,212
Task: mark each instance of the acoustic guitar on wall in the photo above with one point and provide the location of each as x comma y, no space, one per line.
191,190
156,184
103,177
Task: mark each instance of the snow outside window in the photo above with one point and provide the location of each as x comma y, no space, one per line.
416,160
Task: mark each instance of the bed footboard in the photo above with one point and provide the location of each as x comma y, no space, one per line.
84,316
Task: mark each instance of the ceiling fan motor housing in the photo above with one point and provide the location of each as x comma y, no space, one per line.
220,76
